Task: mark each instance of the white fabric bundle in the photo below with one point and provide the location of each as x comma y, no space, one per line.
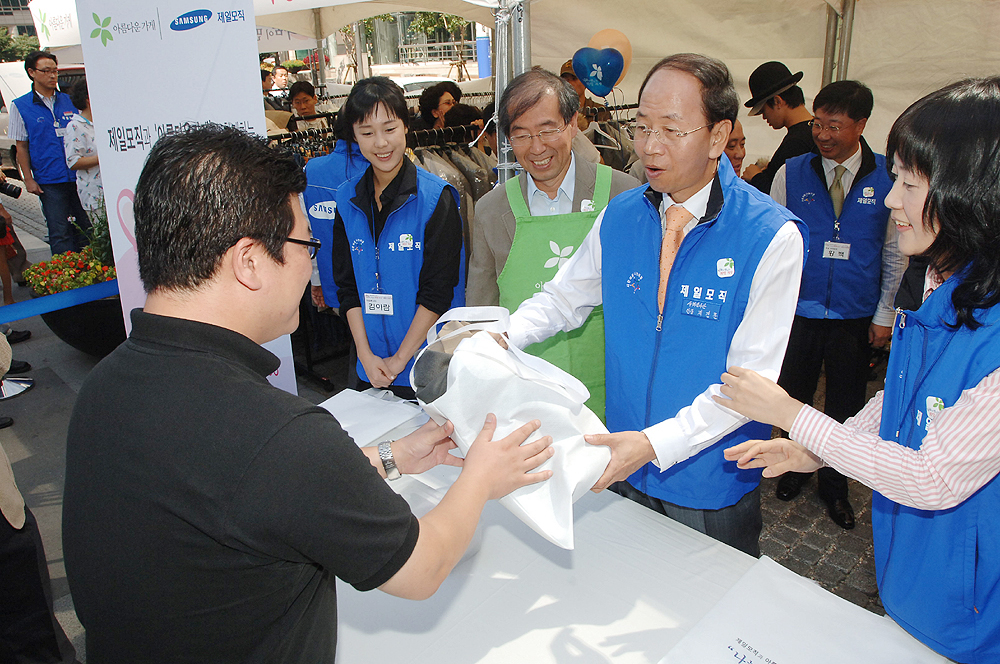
482,378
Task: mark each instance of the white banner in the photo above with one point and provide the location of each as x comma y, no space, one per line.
55,22
270,40
201,65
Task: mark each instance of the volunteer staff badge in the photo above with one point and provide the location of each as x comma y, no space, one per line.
725,267
868,192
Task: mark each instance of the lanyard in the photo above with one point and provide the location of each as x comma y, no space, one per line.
378,284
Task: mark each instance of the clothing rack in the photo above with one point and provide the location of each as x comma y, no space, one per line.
590,111
329,117
295,136
431,137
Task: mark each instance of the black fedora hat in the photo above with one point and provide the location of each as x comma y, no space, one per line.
768,80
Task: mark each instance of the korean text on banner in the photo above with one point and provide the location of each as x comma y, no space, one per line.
212,76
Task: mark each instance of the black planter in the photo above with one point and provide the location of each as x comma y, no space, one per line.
95,328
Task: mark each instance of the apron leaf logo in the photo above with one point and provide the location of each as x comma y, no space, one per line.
100,30
561,255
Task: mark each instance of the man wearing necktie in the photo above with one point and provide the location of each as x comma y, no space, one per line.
697,271
851,274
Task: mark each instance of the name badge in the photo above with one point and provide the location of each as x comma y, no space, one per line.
838,251
379,304
60,132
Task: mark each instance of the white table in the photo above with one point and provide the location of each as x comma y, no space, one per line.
633,587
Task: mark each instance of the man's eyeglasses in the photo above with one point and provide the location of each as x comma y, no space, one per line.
312,243
47,71
641,132
545,136
819,128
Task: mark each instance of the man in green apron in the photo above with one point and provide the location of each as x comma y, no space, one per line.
529,227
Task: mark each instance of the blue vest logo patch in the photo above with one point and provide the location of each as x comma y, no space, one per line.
809,197
324,210
358,245
725,267
633,281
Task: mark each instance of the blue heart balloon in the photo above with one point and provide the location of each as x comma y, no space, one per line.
598,69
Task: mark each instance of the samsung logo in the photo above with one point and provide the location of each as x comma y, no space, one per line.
191,20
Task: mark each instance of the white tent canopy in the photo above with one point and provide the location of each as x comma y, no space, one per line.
901,48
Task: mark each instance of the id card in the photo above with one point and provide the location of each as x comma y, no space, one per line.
839,251
60,132
379,304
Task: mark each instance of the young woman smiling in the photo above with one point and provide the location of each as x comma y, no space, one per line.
398,260
929,444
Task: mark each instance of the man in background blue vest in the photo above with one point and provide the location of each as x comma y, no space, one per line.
37,123
851,274
697,271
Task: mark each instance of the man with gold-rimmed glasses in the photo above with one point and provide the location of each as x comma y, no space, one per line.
696,271
530,226
37,124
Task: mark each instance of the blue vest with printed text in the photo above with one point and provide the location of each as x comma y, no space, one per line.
324,176
45,147
400,257
834,288
938,571
650,374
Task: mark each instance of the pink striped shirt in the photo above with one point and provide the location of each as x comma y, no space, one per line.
957,457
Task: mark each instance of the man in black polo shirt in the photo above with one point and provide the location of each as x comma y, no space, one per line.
207,514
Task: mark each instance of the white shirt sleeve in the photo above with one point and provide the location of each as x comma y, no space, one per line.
759,344
565,302
16,131
778,189
893,266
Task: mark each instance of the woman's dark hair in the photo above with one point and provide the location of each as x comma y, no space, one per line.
430,99
952,138
79,94
461,115
298,87
365,97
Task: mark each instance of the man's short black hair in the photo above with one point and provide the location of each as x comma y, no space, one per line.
430,99
461,115
79,94
200,192
277,67
719,100
793,97
298,87
31,61
852,98
488,113
528,89
365,97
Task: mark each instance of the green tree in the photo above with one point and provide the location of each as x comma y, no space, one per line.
430,23
17,47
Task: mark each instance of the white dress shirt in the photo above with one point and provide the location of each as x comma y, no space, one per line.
759,342
539,203
893,261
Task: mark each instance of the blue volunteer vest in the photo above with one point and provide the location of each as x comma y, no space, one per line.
48,157
833,288
324,175
401,255
938,571
650,374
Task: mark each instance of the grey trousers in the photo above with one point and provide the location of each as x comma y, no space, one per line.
738,525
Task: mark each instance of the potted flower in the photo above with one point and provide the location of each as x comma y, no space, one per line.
95,327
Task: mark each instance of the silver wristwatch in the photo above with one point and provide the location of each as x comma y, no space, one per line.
388,462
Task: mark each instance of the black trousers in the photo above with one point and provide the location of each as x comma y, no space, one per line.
738,525
29,631
842,347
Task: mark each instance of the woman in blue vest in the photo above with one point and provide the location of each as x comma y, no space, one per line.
398,260
930,443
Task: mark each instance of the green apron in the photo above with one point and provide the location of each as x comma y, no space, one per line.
541,245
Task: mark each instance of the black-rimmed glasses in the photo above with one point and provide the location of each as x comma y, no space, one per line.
312,243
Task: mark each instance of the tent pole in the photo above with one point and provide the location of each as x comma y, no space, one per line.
520,28
320,59
846,28
501,77
829,58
